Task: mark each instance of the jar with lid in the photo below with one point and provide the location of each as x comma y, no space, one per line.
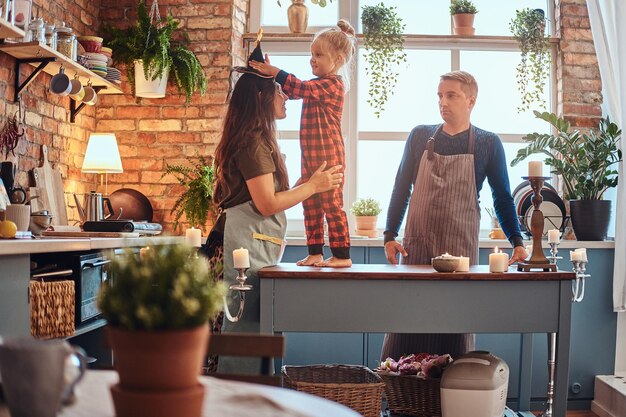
66,42
36,31
51,36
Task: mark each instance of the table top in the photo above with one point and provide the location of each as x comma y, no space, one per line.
406,272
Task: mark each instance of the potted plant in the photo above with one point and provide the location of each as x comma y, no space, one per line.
366,211
584,161
196,203
152,56
384,49
528,28
157,312
463,12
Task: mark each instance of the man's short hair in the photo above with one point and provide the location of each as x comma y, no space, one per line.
467,80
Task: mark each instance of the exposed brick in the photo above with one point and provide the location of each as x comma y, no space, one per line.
137,112
208,23
580,59
116,125
160,125
203,125
577,34
582,109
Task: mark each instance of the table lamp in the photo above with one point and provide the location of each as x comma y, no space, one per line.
102,157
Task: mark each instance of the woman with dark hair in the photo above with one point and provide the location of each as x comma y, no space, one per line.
252,192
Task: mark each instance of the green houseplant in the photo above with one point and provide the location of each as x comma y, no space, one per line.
384,49
149,42
366,211
196,203
463,13
585,163
533,70
157,311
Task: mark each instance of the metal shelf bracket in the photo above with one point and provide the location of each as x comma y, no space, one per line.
18,63
74,109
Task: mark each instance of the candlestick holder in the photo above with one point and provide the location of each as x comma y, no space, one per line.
578,286
554,249
242,287
537,259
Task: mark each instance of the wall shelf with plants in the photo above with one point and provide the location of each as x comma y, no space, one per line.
8,30
50,61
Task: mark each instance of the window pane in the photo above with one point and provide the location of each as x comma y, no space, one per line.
300,67
494,16
291,150
376,172
414,100
419,16
498,96
274,15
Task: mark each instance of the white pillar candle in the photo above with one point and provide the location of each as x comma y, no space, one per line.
463,264
143,252
193,238
583,254
498,261
575,256
241,259
535,169
554,236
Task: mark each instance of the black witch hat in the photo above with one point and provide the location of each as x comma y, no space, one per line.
256,55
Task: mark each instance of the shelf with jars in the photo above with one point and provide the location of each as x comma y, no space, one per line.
45,59
7,30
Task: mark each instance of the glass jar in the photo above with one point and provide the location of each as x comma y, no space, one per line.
37,31
51,36
66,42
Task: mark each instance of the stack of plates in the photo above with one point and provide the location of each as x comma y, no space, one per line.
113,75
97,63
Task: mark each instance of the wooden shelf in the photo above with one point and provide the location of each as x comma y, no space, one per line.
8,30
32,50
85,328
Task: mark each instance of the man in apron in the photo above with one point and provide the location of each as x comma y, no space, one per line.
446,165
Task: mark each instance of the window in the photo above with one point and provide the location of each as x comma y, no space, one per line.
374,146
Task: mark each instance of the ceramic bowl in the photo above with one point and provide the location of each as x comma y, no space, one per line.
448,264
39,223
91,43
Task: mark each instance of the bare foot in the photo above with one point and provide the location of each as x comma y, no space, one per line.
333,262
310,260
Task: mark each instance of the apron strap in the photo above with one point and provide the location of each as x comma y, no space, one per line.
430,144
470,143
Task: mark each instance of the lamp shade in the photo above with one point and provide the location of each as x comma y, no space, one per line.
102,154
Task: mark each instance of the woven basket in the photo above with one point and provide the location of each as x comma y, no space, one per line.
354,386
52,308
407,394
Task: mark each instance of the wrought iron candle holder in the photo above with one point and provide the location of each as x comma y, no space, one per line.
578,286
242,287
537,259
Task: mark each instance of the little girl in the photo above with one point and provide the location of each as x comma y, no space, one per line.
320,137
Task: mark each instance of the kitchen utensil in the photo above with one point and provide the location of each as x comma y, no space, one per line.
17,195
39,223
38,200
50,182
61,84
18,214
94,207
134,205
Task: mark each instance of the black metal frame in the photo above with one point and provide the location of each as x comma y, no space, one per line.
74,110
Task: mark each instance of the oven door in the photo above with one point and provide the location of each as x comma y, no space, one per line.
93,273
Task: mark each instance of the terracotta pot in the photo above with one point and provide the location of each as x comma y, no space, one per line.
298,15
366,222
179,403
159,360
463,24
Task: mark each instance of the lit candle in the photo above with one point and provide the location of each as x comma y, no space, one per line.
143,252
554,236
498,261
575,256
241,259
463,264
583,254
193,238
535,169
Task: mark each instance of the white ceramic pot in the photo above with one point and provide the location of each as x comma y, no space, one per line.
149,88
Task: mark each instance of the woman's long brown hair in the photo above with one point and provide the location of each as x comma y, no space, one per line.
249,119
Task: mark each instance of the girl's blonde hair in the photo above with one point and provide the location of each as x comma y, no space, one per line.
340,41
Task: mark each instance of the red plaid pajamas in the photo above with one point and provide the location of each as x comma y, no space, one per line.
321,140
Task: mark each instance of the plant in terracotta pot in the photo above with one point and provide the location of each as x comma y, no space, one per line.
157,311
463,13
528,27
585,163
366,211
153,54
384,50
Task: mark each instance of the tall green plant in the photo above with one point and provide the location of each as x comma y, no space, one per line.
462,6
533,70
384,50
583,160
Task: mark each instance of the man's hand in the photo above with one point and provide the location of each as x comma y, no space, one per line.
391,251
519,255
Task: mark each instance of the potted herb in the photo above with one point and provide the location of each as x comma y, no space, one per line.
196,203
384,49
463,12
366,211
157,312
528,28
152,56
585,163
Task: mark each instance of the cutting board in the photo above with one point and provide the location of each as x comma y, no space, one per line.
41,203
89,234
50,182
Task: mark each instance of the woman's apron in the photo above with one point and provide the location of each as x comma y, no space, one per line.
443,217
263,236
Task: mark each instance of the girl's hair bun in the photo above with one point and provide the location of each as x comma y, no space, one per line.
346,27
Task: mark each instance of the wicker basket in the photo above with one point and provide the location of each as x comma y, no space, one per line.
354,386
52,308
408,394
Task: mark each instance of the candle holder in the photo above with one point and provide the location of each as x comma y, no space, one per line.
537,259
554,249
578,286
242,287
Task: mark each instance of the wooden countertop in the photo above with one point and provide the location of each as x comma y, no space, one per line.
406,272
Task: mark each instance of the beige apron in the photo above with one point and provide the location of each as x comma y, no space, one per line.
443,217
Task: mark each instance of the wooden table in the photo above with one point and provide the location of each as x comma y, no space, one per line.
412,298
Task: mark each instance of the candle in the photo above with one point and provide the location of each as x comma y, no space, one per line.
583,254
575,256
498,261
535,169
554,236
463,264
193,238
241,259
143,252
